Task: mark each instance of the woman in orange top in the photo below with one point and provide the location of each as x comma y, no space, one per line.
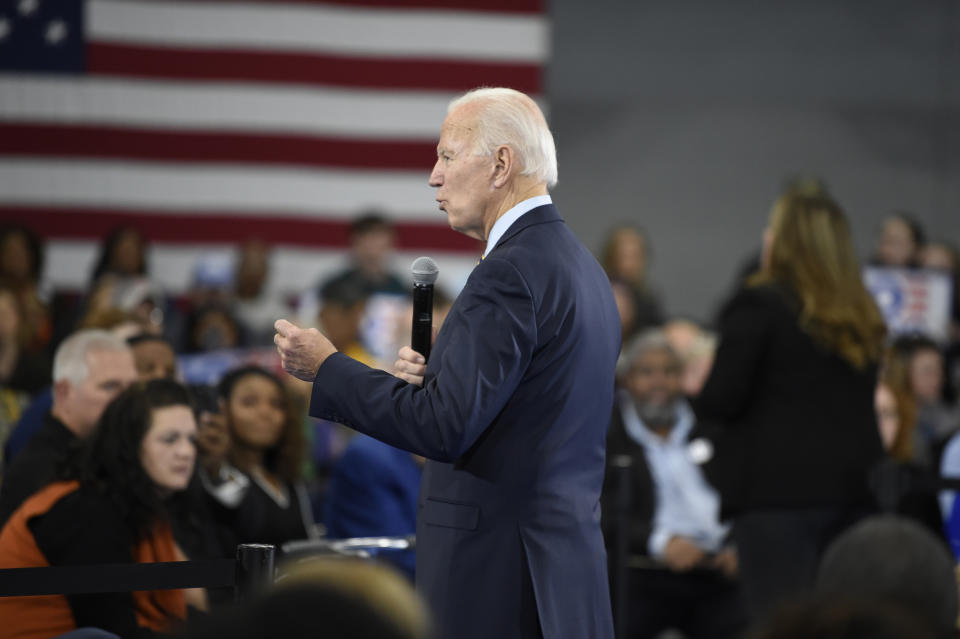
111,509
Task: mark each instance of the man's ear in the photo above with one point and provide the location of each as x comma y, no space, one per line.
504,165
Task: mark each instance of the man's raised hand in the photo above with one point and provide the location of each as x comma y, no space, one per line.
302,350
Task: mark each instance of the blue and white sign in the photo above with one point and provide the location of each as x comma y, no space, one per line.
912,300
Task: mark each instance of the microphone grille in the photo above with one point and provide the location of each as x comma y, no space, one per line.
424,270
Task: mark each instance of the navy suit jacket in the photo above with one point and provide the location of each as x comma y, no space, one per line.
512,418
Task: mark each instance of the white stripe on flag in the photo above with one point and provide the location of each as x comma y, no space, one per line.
327,193
69,264
451,35
411,115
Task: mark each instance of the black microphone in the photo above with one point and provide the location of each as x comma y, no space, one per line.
425,272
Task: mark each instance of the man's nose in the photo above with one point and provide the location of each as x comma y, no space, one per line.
436,179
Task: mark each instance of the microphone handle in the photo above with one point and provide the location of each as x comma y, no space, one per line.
421,337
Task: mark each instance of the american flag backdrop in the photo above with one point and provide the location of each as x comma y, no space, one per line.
208,122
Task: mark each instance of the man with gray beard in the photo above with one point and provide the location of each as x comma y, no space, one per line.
681,570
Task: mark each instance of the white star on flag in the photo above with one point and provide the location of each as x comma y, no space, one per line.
28,7
56,31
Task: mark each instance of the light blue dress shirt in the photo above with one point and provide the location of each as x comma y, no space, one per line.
687,505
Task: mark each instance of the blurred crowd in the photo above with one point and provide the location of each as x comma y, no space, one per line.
141,424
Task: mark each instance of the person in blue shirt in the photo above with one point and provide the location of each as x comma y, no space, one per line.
373,493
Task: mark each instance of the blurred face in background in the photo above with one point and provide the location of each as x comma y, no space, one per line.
169,448
15,258
127,254
154,359
251,270
897,245
341,323
79,406
256,411
926,375
628,258
654,384
888,419
372,250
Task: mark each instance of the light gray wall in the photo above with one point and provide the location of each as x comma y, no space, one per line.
687,116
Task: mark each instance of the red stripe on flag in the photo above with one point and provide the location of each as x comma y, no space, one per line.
215,228
230,147
312,69
493,6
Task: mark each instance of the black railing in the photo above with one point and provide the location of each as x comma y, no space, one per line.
252,570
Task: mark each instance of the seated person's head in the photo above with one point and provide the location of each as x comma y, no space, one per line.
261,419
212,328
624,255
90,368
839,617
251,270
924,367
901,239
144,447
344,302
696,348
123,253
153,356
650,371
372,241
895,561
335,598
21,255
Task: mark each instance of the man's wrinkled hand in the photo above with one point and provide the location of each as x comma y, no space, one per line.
410,367
302,350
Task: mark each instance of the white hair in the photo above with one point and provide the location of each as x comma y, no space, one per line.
653,339
509,117
70,361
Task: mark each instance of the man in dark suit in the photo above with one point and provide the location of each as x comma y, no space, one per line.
512,410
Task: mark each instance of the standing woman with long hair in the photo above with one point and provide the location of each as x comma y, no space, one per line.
793,385
114,506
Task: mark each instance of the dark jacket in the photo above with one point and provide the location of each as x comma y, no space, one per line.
641,501
800,428
512,418
36,465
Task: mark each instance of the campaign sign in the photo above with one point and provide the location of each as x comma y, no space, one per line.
912,300
208,368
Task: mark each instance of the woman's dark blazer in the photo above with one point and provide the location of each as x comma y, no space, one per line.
799,428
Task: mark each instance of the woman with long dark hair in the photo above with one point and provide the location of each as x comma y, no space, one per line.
113,507
793,383
252,457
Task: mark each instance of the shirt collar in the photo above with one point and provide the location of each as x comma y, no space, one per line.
507,219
